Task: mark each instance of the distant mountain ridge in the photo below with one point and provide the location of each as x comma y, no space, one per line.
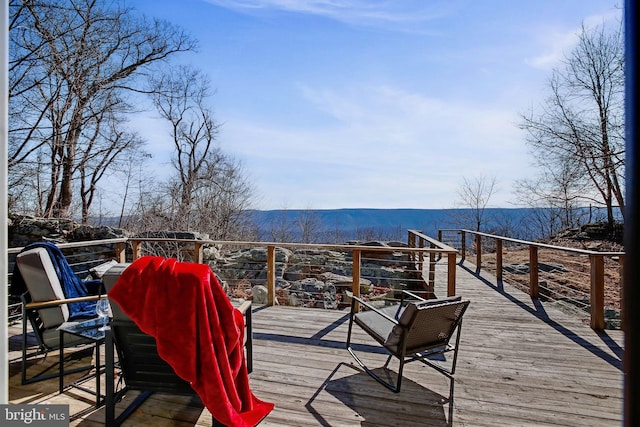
392,222
341,225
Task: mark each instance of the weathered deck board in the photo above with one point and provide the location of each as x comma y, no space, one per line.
521,363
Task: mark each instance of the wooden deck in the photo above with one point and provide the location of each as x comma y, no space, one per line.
521,363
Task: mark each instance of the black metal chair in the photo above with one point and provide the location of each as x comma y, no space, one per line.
416,330
45,307
141,367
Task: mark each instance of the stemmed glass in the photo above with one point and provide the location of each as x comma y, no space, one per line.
103,310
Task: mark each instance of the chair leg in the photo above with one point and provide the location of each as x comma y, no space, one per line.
24,346
455,351
42,376
249,339
41,350
443,370
110,403
25,356
389,385
386,364
400,370
111,395
350,327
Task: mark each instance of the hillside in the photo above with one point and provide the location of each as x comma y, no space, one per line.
385,224
565,276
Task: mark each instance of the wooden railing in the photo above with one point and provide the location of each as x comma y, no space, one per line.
415,250
423,251
596,268
129,249
417,239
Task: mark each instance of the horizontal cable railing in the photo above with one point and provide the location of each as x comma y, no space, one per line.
321,275
307,275
352,268
81,256
585,281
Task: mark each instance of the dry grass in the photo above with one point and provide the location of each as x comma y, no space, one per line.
565,276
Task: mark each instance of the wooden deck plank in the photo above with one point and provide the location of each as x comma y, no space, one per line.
521,363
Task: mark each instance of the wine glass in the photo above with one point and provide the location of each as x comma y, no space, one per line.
103,309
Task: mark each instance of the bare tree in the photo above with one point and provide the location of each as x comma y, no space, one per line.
582,121
554,196
474,194
103,154
379,233
135,181
222,198
180,97
310,226
209,192
72,65
336,234
281,227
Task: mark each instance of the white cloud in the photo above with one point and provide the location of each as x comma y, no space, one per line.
374,113
385,141
360,12
558,43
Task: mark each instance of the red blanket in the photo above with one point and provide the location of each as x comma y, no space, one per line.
198,332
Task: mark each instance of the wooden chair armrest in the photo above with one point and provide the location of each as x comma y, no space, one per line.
45,304
244,307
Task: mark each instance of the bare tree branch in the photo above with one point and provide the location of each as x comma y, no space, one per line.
72,65
580,127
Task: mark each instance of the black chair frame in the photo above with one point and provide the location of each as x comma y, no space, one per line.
144,370
400,351
30,315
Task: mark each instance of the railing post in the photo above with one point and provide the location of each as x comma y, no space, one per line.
463,245
498,259
597,292
198,253
355,286
432,268
271,274
534,288
136,248
411,242
621,294
421,256
478,252
121,252
451,274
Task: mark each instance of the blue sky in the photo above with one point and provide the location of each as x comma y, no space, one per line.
375,104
